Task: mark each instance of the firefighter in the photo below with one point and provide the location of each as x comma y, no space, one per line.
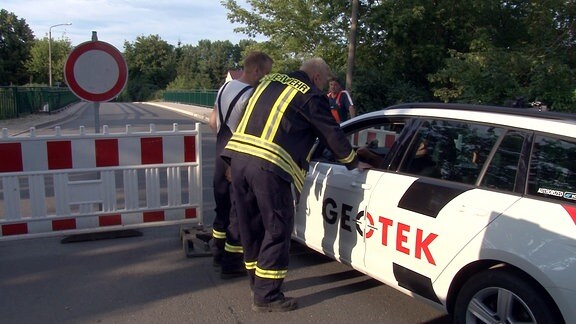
230,103
268,154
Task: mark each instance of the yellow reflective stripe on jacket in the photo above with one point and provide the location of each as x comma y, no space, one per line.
268,151
250,265
218,235
271,274
271,147
268,156
285,79
349,158
250,107
273,121
233,248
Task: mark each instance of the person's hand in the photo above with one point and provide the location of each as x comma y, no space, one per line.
367,157
363,151
212,120
363,165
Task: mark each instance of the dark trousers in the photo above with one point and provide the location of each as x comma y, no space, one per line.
227,246
265,210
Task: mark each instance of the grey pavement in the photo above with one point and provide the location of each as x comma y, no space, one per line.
18,126
148,279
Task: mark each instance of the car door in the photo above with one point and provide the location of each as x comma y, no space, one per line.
426,211
330,216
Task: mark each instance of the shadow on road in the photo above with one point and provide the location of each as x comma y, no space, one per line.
335,285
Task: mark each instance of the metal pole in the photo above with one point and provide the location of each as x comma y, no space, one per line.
96,104
96,118
50,51
50,56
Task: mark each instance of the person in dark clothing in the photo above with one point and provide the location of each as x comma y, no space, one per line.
422,162
341,105
228,110
268,155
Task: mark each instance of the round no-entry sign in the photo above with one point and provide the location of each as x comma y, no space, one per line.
96,71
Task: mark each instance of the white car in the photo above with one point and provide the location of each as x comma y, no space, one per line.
471,208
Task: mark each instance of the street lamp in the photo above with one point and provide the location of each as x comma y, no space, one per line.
50,51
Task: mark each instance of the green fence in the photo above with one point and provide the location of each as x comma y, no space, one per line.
18,101
195,97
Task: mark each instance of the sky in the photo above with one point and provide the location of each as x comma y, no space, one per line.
117,21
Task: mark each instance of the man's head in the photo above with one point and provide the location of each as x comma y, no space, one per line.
256,65
318,71
334,85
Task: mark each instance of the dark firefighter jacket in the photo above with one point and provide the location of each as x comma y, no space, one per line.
284,116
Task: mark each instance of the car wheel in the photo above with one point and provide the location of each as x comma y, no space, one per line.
499,297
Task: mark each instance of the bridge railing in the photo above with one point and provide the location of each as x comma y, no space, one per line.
194,97
17,101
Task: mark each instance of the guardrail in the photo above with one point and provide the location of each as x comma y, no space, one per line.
68,184
17,101
204,98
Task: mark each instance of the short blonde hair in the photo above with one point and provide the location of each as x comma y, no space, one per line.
256,59
316,65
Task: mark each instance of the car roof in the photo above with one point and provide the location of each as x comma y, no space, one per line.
520,118
527,112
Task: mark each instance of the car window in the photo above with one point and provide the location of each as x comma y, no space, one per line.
450,150
379,138
503,168
376,138
552,172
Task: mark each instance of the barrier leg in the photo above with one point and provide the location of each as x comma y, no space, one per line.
195,242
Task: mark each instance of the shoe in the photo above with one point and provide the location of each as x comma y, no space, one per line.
285,304
231,274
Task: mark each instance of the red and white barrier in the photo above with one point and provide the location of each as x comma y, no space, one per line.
364,137
89,182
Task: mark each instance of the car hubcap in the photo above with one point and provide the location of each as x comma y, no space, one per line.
498,305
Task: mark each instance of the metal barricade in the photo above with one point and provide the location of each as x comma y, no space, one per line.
68,184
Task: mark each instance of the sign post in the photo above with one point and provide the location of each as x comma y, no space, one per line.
96,71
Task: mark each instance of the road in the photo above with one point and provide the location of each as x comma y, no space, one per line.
148,279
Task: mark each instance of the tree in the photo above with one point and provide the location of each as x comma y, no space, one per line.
418,50
215,59
390,65
37,65
205,66
352,44
518,49
296,29
16,40
187,72
151,67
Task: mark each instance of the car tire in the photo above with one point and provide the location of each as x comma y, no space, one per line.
489,296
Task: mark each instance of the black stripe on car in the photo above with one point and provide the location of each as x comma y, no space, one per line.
415,282
428,196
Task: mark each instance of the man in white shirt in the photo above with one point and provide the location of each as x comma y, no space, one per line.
231,101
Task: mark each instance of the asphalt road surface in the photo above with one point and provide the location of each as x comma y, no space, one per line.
148,278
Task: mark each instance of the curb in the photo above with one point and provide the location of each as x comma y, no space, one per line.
65,117
62,117
203,118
